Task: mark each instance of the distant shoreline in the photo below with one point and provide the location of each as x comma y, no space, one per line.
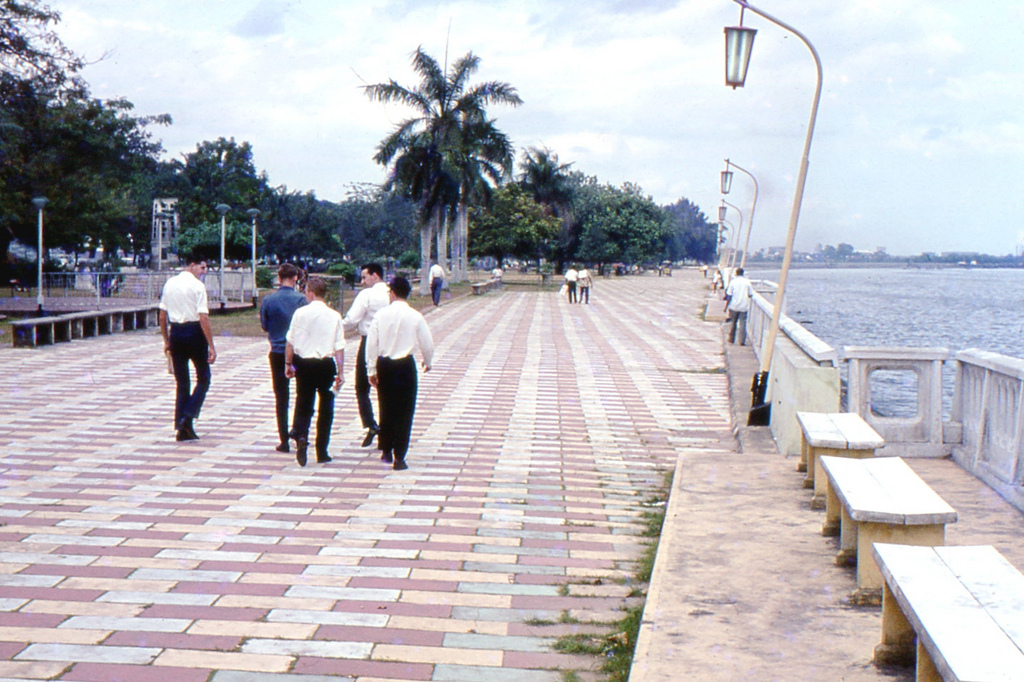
903,265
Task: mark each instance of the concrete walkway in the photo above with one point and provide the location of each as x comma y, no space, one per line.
539,435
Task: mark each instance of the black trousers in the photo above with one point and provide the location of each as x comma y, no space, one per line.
363,388
281,392
396,390
313,379
188,344
585,295
571,292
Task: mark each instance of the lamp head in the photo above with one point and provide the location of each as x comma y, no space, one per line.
40,202
739,41
721,213
253,212
222,209
726,180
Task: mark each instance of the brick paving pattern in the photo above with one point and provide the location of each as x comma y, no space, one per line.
540,432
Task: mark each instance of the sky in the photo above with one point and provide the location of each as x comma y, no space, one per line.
918,144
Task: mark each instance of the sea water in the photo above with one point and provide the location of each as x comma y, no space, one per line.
953,308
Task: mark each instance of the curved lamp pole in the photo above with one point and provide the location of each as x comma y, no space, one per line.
726,186
253,212
738,43
721,233
222,209
735,237
40,202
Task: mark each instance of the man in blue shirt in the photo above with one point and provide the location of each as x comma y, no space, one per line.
276,312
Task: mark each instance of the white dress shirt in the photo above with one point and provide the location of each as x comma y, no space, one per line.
367,304
395,333
316,331
184,298
436,272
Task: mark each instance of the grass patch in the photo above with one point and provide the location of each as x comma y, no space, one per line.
570,676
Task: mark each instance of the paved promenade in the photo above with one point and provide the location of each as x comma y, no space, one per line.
539,435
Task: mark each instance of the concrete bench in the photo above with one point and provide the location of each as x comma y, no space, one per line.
964,606
838,434
879,500
44,331
483,287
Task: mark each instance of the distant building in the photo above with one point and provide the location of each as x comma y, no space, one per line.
165,231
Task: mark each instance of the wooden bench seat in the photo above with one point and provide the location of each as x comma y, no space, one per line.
838,434
964,606
879,500
43,331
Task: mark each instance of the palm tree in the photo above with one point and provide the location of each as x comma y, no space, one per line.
430,152
551,185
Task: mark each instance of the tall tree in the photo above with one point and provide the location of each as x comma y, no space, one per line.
552,185
513,224
431,152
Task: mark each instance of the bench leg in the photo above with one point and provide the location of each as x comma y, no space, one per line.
801,466
847,540
926,670
833,512
869,577
897,646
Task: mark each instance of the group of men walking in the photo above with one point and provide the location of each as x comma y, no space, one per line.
307,343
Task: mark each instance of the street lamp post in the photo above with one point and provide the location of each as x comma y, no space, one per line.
222,209
40,202
253,212
735,237
738,44
726,186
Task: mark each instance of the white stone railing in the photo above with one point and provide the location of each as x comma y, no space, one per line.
988,408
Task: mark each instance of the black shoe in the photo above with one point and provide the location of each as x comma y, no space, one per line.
186,434
371,433
283,447
323,459
300,451
400,465
386,456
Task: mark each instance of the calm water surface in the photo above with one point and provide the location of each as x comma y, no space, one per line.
954,308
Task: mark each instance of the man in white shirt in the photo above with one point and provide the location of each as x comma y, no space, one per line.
314,354
437,275
571,277
373,298
737,303
185,325
394,335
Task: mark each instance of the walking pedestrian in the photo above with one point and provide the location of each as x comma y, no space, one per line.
437,275
571,278
184,319
276,312
585,282
737,302
315,356
396,332
373,298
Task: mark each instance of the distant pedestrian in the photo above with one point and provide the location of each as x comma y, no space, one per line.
737,302
276,312
374,297
571,278
394,336
315,356
704,271
437,275
188,338
585,282
716,281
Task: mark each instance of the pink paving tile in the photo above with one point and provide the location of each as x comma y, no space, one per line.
78,571
342,633
54,593
254,589
19,619
536,660
173,640
138,552
109,672
561,603
251,567
539,579
202,612
406,563
431,546
556,561
355,668
282,548
404,584
394,608
9,649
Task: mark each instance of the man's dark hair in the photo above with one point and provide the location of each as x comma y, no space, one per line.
287,271
400,287
374,269
192,258
739,271
316,286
